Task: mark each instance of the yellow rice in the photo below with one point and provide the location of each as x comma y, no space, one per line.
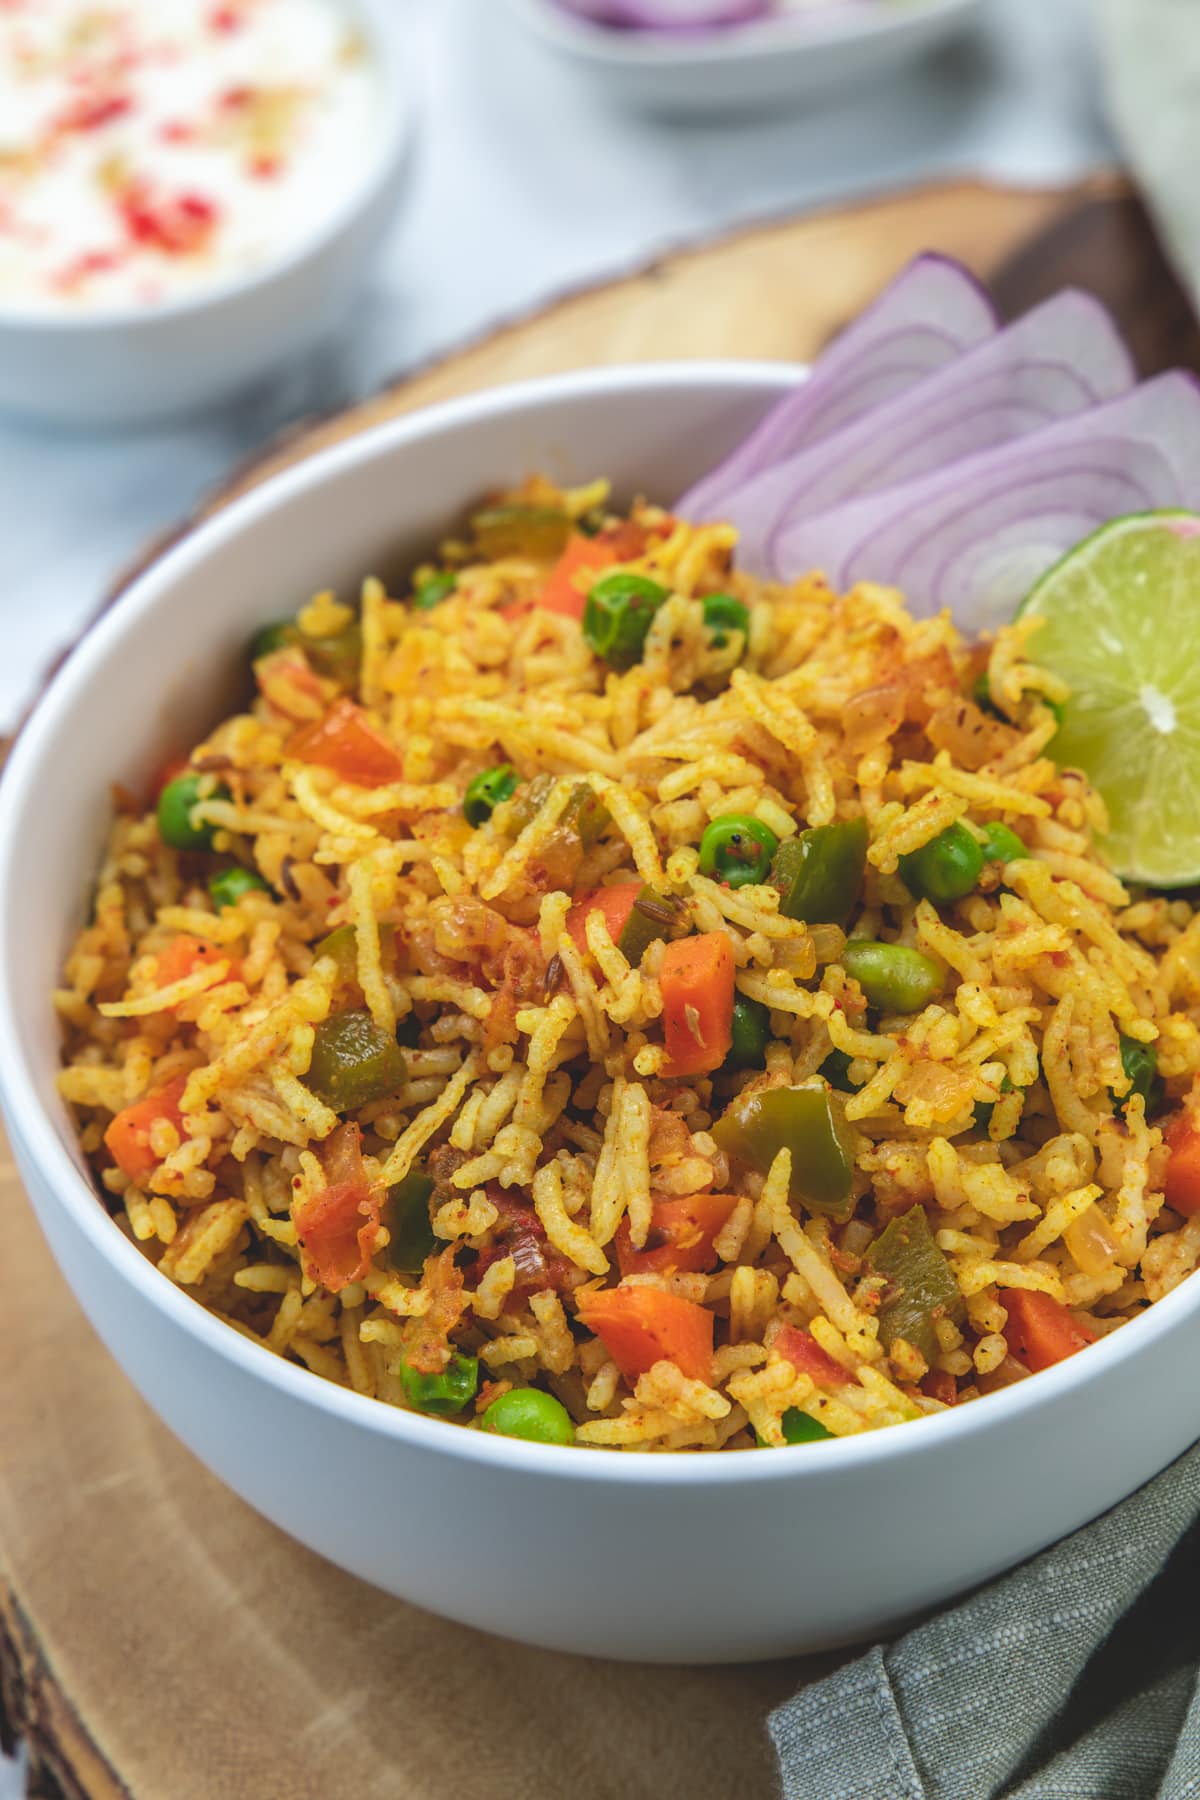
835,705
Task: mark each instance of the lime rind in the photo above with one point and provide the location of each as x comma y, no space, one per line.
1121,627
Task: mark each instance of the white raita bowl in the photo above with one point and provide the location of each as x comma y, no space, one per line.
696,1558
141,365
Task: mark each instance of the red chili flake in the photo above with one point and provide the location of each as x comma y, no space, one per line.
175,131
235,98
91,111
91,262
225,19
265,168
177,224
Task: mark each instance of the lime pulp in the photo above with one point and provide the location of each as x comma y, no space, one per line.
1121,626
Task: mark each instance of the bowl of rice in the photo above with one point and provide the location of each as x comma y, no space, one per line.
493,1050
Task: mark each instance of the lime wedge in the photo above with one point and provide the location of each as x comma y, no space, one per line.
1121,626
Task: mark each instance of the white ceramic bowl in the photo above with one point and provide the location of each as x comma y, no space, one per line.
787,61
137,365
690,1558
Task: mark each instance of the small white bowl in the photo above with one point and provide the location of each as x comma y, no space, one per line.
701,1558
137,365
777,62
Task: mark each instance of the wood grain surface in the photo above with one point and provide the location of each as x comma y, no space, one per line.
160,1641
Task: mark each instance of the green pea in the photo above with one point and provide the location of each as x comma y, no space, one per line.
175,804
836,1071
406,1215
751,1034
486,790
280,634
737,849
893,978
431,593
723,614
442,1394
618,614
529,1413
1140,1063
227,888
798,1428
944,869
1000,845
353,1062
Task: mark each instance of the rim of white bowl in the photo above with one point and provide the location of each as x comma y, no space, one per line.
39,1135
399,110
757,38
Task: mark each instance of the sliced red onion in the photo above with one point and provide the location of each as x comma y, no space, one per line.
930,314
976,536
668,15
1061,358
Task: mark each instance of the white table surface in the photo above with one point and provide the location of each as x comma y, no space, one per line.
526,182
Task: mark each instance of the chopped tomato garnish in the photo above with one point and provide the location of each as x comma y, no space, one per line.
680,1237
614,904
1181,1183
347,742
338,1227
802,1350
1040,1330
128,1136
697,995
640,1326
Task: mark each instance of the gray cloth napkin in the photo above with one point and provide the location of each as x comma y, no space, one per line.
1073,1678
1150,57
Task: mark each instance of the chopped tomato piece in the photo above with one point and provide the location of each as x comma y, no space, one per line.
614,904
339,1226
680,1237
697,995
1040,1330
128,1137
640,1326
346,742
1181,1184
185,954
939,1384
804,1353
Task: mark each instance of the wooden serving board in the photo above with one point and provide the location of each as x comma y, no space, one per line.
160,1641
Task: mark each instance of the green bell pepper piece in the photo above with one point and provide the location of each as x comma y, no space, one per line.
342,944
516,530
406,1215
652,916
803,1120
819,874
921,1285
444,1394
354,1063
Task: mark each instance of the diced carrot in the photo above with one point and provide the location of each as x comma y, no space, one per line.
804,1353
640,1326
1040,1330
680,1237
128,1136
562,592
696,980
615,905
185,954
338,1227
1181,1183
346,742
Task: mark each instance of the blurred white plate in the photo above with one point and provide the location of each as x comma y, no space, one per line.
794,57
